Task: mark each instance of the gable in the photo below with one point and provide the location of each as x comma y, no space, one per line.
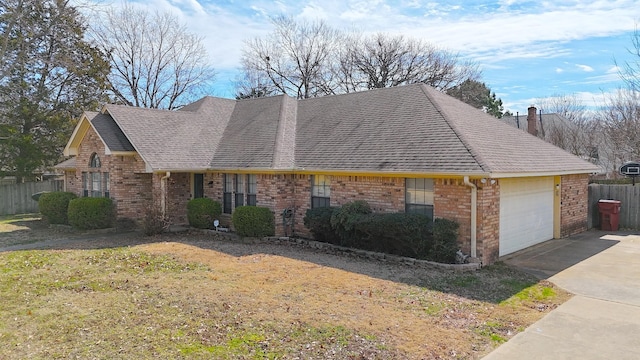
113,139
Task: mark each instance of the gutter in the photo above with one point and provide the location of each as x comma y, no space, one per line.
474,215
163,191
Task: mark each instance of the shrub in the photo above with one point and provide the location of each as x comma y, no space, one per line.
154,222
318,221
253,221
397,233
343,220
54,206
202,211
445,241
91,213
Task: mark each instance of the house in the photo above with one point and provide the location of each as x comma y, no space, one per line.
581,137
408,148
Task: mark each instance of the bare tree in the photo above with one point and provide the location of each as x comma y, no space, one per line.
576,130
620,118
311,59
630,70
385,61
293,58
155,61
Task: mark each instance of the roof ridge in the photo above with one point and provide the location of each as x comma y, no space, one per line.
285,141
455,128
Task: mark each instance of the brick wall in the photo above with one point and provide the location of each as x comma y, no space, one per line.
178,195
574,199
280,192
452,200
488,232
384,194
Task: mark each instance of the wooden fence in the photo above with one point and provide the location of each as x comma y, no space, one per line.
628,195
16,198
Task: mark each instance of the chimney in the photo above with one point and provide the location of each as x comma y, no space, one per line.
531,121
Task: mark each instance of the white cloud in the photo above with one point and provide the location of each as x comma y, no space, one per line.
613,70
559,70
585,68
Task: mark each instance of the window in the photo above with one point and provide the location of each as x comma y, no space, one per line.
94,182
95,161
252,189
85,184
419,196
106,184
320,191
227,193
239,190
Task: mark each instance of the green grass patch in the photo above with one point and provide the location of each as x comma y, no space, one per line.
8,219
492,330
535,293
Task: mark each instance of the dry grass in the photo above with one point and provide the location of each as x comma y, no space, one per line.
189,296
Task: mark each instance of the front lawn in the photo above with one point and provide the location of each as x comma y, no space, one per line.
193,297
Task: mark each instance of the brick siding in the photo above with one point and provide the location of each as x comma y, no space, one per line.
574,204
452,200
488,231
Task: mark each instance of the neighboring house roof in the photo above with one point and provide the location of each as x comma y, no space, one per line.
544,121
69,164
406,129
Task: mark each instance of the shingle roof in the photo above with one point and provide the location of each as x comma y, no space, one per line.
501,148
414,129
395,129
109,131
249,140
175,140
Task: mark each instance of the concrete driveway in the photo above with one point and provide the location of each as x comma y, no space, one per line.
602,320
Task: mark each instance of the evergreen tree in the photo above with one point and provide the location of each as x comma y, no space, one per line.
478,95
48,75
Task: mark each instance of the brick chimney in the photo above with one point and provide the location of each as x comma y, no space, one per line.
531,121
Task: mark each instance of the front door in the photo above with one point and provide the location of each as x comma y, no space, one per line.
198,186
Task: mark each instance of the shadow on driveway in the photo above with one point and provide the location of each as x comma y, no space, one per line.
551,257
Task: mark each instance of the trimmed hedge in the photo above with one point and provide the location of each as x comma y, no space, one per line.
344,218
396,233
412,235
254,221
201,212
91,213
318,221
445,241
54,206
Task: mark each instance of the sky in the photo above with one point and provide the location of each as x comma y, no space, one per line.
526,50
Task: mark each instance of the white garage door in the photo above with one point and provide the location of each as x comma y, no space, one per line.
526,213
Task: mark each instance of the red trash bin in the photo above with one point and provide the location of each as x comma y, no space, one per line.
609,214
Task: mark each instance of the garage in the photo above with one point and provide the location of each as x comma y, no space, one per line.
526,213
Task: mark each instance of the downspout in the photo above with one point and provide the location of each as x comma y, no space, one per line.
163,191
474,214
